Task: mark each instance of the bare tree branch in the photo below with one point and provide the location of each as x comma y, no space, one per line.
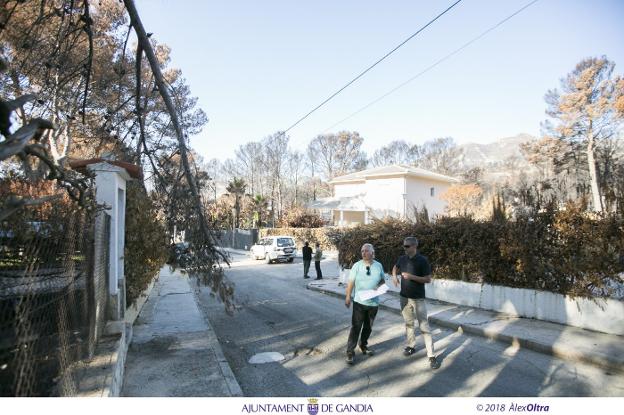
6,107
86,17
14,203
17,141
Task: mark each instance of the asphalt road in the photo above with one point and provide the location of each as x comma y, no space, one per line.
278,314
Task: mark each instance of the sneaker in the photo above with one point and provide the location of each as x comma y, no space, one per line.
350,358
366,351
408,351
434,363
305,277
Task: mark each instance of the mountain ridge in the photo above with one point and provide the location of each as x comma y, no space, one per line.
494,154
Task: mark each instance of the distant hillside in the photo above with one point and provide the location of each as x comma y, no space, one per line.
493,154
500,159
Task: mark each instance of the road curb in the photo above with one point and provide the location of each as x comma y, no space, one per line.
540,347
226,370
224,366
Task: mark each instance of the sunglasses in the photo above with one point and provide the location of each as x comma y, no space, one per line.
407,246
367,270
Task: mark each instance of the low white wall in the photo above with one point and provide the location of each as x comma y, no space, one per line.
599,314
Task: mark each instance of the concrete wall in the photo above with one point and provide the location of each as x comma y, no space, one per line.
419,194
600,314
604,315
102,375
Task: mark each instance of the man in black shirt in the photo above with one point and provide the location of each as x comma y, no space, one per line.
415,272
307,259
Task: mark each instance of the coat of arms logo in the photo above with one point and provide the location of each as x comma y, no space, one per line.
313,406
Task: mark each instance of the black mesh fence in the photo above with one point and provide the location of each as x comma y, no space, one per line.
243,238
53,296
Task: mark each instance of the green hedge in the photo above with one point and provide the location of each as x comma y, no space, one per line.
567,252
146,242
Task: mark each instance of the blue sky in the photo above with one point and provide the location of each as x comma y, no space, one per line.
258,66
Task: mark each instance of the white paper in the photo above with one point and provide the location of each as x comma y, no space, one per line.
368,294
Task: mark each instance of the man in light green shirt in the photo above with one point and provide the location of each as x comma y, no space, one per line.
366,274
318,255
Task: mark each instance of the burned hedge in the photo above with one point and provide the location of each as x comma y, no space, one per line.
567,251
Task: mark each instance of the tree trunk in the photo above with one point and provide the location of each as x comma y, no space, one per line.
296,188
593,174
237,211
163,88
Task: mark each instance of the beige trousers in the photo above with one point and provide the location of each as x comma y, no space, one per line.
417,306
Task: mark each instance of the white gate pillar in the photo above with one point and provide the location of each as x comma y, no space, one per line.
110,183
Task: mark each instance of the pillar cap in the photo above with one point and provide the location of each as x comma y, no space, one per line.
80,165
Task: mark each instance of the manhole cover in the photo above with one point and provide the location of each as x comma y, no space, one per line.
266,357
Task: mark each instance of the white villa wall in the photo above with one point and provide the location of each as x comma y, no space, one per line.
386,194
349,189
419,194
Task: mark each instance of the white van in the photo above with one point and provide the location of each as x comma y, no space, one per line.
275,248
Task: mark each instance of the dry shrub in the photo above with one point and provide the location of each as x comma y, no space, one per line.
301,235
301,218
564,251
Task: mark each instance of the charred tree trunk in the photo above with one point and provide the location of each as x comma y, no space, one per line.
593,174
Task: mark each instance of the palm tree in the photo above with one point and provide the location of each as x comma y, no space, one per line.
259,204
237,189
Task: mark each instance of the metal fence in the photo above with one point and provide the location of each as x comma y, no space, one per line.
242,238
53,296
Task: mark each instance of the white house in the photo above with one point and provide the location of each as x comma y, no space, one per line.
389,191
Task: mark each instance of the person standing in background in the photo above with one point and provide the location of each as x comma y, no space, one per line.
307,259
318,254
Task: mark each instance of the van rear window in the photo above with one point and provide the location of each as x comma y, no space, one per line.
285,242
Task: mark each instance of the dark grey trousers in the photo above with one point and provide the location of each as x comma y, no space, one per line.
319,274
361,321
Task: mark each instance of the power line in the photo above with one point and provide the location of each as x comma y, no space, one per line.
371,67
456,51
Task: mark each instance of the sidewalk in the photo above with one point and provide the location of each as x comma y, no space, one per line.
174,351
566,342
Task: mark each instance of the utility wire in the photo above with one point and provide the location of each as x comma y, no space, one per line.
456,51
371,67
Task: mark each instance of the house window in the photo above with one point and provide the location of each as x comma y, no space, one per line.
432,191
